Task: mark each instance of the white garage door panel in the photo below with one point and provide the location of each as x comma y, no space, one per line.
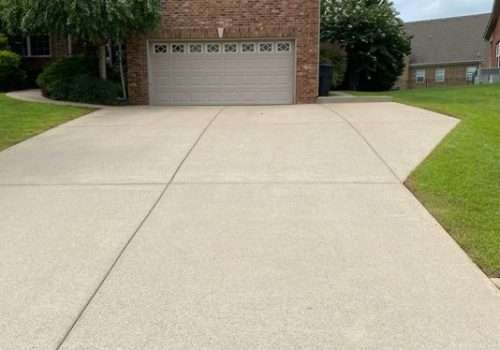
242,77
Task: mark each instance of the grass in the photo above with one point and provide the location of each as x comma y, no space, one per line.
459,183
21,120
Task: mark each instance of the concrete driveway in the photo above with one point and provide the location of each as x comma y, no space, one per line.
233,228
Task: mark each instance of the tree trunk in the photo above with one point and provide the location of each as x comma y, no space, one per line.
122,74
102,62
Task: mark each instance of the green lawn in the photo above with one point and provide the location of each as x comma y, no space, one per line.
460,182
20,120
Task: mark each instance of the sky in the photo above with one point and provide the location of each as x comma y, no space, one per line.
415,10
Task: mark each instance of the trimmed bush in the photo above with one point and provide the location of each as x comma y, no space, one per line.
65,68
11,75
75,79
85,88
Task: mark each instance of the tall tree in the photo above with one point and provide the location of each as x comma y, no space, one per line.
373,37
97,22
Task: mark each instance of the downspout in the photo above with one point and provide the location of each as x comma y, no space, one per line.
101,53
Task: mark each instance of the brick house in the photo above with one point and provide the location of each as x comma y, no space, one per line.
38,50
492,35
445,51
213,52
227,52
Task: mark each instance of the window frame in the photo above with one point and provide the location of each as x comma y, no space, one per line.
423,76
29,50
497,52
438,77
468,72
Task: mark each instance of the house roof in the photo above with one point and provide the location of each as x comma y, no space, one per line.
492,23
448,40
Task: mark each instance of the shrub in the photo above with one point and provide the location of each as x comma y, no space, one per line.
66,68
333,54
85,88
11,74
75,79
4,42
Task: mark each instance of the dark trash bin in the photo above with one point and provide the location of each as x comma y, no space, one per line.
325,79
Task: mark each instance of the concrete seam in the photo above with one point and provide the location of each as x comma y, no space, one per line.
366,141
152,184
136,231
187,183
76,184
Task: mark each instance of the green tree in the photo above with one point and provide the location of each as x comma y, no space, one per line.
373,37
97,22
331,53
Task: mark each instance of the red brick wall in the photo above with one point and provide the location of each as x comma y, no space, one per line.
241,19
494,39
455,75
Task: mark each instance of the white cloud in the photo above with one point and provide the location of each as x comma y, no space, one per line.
412,10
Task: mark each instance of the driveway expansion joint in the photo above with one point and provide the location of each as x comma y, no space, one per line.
360,134
80,184
285,183
136,231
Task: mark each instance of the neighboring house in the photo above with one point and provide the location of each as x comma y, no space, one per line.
492,35
445,51
491,72
227,52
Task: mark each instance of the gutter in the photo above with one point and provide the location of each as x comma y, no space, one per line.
449,63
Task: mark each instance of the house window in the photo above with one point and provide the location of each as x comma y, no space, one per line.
440,75
31,46
470,73
498,54
420,76
39,45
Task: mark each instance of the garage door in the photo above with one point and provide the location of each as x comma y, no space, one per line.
222,73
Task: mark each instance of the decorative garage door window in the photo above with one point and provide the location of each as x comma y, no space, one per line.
244,47
230,48
283,47
213,48
178,48
247,47
265,47
161,48
195,48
